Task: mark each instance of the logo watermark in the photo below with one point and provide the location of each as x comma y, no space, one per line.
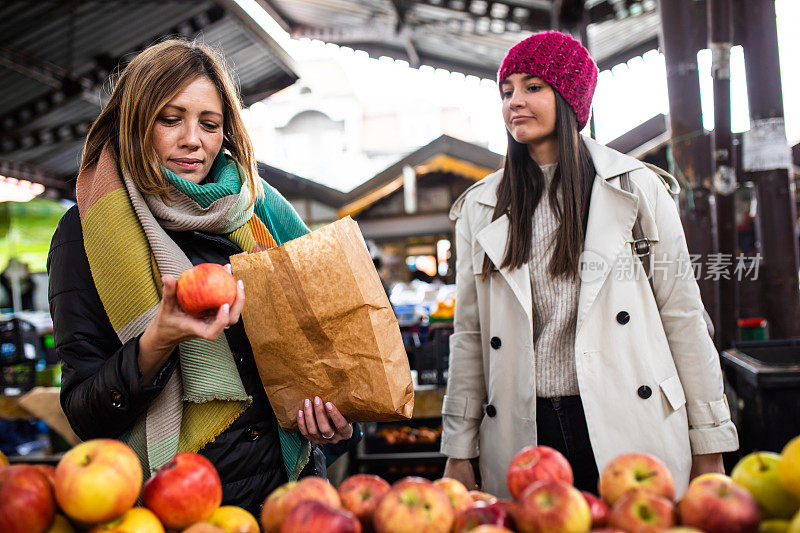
627,267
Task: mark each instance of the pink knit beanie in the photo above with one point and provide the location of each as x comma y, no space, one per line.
559,60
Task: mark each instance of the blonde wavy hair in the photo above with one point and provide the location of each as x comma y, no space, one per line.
144,87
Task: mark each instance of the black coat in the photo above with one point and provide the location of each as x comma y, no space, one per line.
101,390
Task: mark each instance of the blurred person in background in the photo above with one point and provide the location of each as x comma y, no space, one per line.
168,181
553,345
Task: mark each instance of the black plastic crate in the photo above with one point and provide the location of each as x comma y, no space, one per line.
20,349
432,359
765,377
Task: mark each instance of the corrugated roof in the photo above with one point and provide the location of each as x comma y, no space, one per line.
55,57
469,36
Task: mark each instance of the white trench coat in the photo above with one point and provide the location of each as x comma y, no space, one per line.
651,384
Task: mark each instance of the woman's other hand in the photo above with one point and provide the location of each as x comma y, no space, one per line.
706,463
322,423
172,325
461,470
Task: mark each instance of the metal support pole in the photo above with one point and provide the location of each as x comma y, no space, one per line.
720,37
683,33
766,159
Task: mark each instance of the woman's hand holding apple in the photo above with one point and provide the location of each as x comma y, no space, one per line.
172,325
322,423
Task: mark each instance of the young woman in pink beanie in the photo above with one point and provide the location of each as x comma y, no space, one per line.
561,339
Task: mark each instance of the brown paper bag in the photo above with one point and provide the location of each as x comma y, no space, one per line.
320,324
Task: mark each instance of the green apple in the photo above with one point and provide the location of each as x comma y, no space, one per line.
774,526
758,473
794,526
789,469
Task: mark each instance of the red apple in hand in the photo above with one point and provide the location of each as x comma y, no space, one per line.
551,507
204,288
26,500
185,490
714,503
536,463
313,516
456,492
643,512
98,480
635,471
286,497
360,495
597,508
414,507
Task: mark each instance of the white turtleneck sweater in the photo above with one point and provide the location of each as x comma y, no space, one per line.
555,307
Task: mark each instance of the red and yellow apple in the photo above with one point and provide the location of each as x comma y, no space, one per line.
536,463
493,514
456,492
26,500
551,507
411,479
202,289
203,527
283,499
758,473
480,497
491,529
597,508
185,490
414,507
635,471
233,519
360,495
135,520
789,467
312,516
642,511
98,480
715,504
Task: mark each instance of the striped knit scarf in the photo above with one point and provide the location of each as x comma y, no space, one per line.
129,250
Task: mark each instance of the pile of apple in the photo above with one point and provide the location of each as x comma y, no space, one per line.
636,494
95,488
97,484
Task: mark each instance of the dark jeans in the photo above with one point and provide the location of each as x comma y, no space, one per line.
561,424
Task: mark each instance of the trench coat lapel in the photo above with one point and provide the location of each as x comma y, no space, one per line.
612,213
493,239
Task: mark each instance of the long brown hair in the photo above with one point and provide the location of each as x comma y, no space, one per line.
145,86
522,187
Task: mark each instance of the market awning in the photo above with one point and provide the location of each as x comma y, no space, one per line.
56,59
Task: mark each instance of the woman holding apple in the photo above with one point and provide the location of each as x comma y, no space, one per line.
168,181
560,337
